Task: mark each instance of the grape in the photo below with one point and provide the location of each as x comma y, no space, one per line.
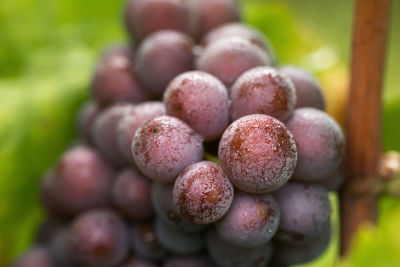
200,100
139,262
162,198
226,255
305,212
309,93
164,146
114,79
143,17
37,256
131,194
251,221
105,133
86,117
176,241
263,90
131,122
162,56
80,181
228,58
98,238
145,242
320,144
59,251
257,153
209,14
203,193
235,29
290,254
190,261
48,229
334,181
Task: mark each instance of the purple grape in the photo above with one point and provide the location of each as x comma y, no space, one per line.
59,250
162,198
209,14
80,181
145,242
320,144
228,58
139,262
236,29
305,213
105,132
251,221
258,153
165,146
48,229
162,56
334,181
37,256
308,91
131,122
188,261
203,193
143,17
131,194
176,241
200,100
114,79
263,90
226,255
86,117
98,238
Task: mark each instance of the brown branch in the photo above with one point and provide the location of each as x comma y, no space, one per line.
363,123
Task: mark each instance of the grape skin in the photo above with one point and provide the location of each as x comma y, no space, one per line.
203,193
37,256
257,153
251,221
263,90
191,261
305,213
165,53
139,262
164,146
145,242
86,117
131,194
320,144
200,100
228,58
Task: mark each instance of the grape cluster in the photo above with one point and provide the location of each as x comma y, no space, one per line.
195,150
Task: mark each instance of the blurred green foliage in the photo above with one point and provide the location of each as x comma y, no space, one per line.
48,49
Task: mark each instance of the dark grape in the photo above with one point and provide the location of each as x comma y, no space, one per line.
226,255
86,117
209,14
162,56
305,212
131,194
105,132
145,242
188,261
263,90
143,17
80,181
258,153
203,193
114,79
176,241
164,206
48,229
162,147
334,181
59,250
251,221
320,144
228,58
309,93
37,256
131,122
200,100
139,262
98,238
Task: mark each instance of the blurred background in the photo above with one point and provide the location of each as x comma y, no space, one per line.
48,50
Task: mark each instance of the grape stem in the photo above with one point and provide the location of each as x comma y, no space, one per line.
358,197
